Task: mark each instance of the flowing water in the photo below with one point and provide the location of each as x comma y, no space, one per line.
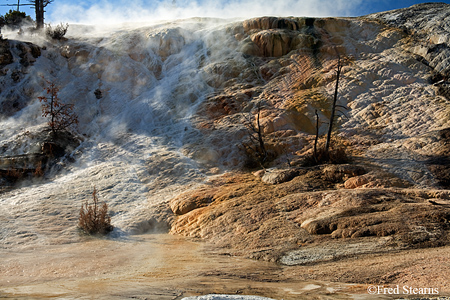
138,137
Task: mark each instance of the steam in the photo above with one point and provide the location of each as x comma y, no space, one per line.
121,11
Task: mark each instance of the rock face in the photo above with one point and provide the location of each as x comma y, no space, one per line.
430,32
275,37
189,201
279,176
5,54
308,213
15,58
45,153
396,65
27,52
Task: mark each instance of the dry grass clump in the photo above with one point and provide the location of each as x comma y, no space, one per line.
94,218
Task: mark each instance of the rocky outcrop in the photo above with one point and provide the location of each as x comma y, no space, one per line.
189,89
275,37
342,172
29,52
5,53
305,212
375,180
23,161
189,201
266,23
272,43
45,154
15,59
280,176
164,111
79,52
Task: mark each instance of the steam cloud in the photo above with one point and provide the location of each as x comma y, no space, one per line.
120,11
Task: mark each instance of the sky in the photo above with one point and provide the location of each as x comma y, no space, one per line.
117,11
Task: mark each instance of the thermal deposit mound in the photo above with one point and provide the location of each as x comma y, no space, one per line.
171,116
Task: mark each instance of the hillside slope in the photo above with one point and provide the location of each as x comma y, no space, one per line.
162,111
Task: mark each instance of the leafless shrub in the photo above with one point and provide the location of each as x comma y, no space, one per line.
58,32
94,218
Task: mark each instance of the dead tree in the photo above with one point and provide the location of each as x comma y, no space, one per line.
257,146
39,9
60,116
326,154
333,107
316,139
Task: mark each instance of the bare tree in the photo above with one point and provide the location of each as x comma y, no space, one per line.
326,154
316,139
39,8
256,146
333,107
60,116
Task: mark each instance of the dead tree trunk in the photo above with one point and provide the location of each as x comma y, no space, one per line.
39,14
39,6
333,108
317,137
256,146
260,137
